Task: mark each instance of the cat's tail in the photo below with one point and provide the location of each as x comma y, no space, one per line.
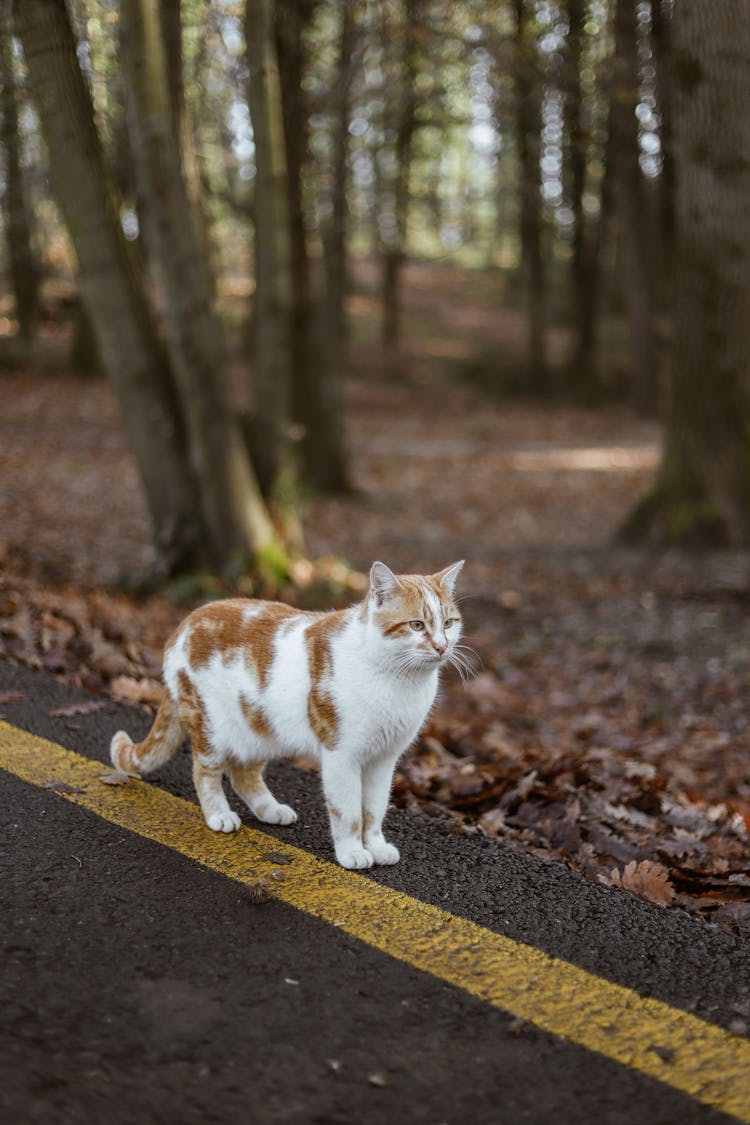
157,747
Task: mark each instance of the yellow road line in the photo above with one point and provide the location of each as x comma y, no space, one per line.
686,1053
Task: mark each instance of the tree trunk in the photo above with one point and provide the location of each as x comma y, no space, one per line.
23,267
703,488
397,186
113,291
661,39
170,12
335,232
272,306
315,401
582,265
528,141
632,210
234,517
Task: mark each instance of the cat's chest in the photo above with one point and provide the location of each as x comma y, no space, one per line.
382,713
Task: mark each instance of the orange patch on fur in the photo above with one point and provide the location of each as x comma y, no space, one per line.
248,780
321,709
407,604
255,717
225,627
193,714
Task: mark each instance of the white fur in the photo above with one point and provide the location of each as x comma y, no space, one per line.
382,688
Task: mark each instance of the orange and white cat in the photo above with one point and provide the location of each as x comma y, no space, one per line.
254,680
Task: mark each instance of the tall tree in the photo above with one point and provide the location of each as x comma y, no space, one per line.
703,487
529,86
335,231
584,257
272,306
634,232
17,221
661,39
233,514
396,182
111,285
315,398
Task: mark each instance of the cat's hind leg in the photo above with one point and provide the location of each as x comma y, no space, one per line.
247,782
156,748
208,769
208,785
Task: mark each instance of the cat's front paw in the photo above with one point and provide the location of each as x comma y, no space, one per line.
276,814
224,821
383,852
354,858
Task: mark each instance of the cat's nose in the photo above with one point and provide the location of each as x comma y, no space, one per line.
440,646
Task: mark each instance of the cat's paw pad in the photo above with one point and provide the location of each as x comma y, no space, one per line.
384,852
223,821
354,858
276,814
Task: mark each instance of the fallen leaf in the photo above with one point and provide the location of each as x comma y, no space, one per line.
277,857
117,777
62,787
126,689
645,879
86,707
12,696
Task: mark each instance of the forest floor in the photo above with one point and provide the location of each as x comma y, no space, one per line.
606,727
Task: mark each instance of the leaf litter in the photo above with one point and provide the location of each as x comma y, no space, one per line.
607,727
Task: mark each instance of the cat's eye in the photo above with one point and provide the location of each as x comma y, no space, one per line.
448,622
417,626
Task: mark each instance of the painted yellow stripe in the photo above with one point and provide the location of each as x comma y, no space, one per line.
692,1056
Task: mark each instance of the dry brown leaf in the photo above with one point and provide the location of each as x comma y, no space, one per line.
645,879
117,777
62,787
12,696
126,689
86,707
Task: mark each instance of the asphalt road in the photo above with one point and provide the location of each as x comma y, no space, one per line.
137,986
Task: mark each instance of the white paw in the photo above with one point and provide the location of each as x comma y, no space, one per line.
354,858
276,814
224,821
383,852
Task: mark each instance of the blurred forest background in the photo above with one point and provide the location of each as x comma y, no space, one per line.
294,284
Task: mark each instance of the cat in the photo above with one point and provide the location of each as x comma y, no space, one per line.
254,680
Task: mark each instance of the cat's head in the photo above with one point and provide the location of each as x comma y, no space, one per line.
414,616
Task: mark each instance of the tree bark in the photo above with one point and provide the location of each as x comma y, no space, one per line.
661,39
17,221
272,306
632,210
528,140
112,289
703,488
396,187
334,234
234,517
584,256
315,397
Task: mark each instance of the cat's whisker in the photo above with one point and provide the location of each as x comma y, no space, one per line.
470,655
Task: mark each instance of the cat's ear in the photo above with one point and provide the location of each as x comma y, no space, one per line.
447,578
383,582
